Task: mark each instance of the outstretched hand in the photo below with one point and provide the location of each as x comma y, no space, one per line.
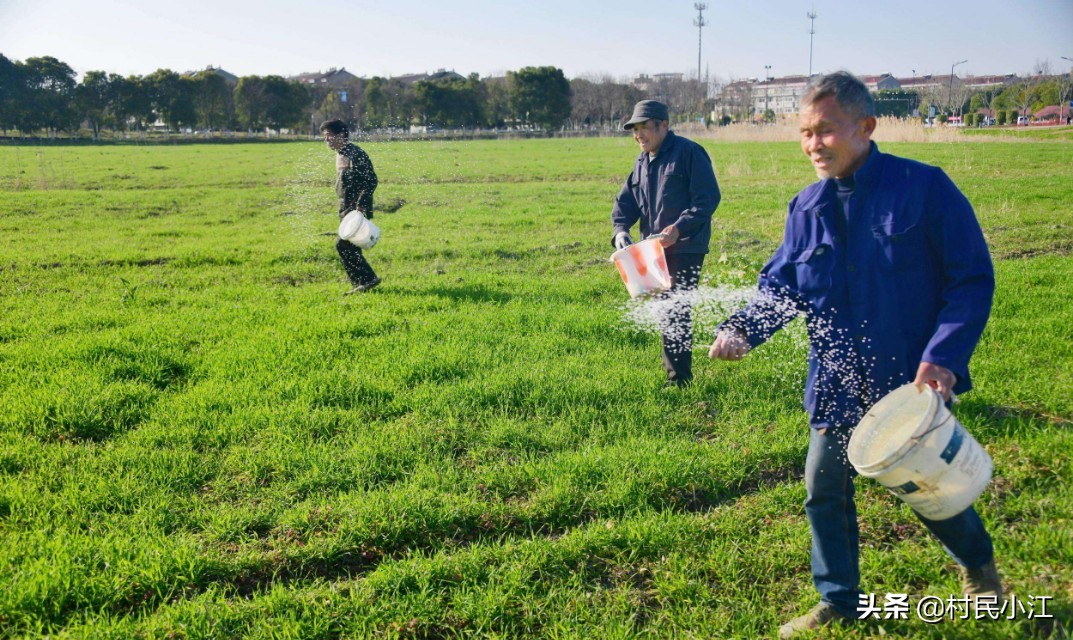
730,344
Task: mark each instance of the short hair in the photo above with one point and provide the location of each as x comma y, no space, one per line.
847,90
335,128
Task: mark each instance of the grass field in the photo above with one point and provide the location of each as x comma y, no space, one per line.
200,437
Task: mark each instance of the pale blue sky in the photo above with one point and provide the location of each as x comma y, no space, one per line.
620,38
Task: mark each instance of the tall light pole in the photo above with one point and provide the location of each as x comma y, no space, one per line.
811,32
699,22
950,90
767,89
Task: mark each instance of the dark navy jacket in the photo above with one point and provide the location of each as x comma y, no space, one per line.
676,187
911,280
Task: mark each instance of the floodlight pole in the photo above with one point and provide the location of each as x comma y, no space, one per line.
950,90
699,22
811,32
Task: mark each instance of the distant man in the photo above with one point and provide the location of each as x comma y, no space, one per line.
671,191
355,182
887,261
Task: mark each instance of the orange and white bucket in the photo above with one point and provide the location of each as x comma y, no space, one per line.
643,267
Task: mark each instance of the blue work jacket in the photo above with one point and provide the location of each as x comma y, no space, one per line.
909,280
676,187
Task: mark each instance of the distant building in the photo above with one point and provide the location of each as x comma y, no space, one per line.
781,95
229,78
331,78
984,82
653,85
885,82
920,83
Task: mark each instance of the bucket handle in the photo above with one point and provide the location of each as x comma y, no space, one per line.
924,430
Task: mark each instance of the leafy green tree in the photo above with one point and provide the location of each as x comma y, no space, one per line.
94,97
172,97
1046,94
12,90
270,102
388,103
285,102
213,102
540,96
449,102
49,98
896,102
134,103
341,102
496,102
250,102
333,107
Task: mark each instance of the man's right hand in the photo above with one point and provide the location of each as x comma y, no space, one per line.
730,344
622,240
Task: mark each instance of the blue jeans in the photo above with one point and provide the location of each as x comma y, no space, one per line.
832,516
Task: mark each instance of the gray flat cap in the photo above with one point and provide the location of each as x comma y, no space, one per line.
647,110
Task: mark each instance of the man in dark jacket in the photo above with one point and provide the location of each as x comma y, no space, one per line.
886,260
355,182
671,191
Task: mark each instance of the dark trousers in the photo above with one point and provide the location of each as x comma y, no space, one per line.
357,267
832,516
676,327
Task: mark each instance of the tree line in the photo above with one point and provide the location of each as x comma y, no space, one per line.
43,94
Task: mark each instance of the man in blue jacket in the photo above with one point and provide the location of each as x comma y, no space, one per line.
885,258
671,190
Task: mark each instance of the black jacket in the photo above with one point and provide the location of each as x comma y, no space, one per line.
355,180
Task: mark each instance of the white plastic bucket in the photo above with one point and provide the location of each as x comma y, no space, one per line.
643,267
910,443
359,230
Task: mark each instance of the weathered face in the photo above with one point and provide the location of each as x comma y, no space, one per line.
335,141
650,134
835,142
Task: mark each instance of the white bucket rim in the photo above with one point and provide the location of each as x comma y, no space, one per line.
878,412
625,250
624,256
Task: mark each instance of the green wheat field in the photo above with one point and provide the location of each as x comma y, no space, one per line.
201,437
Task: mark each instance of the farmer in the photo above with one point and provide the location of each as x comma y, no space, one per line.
355,182
887,261
671,191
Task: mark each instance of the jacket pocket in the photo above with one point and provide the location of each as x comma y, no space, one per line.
900,249
813,266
